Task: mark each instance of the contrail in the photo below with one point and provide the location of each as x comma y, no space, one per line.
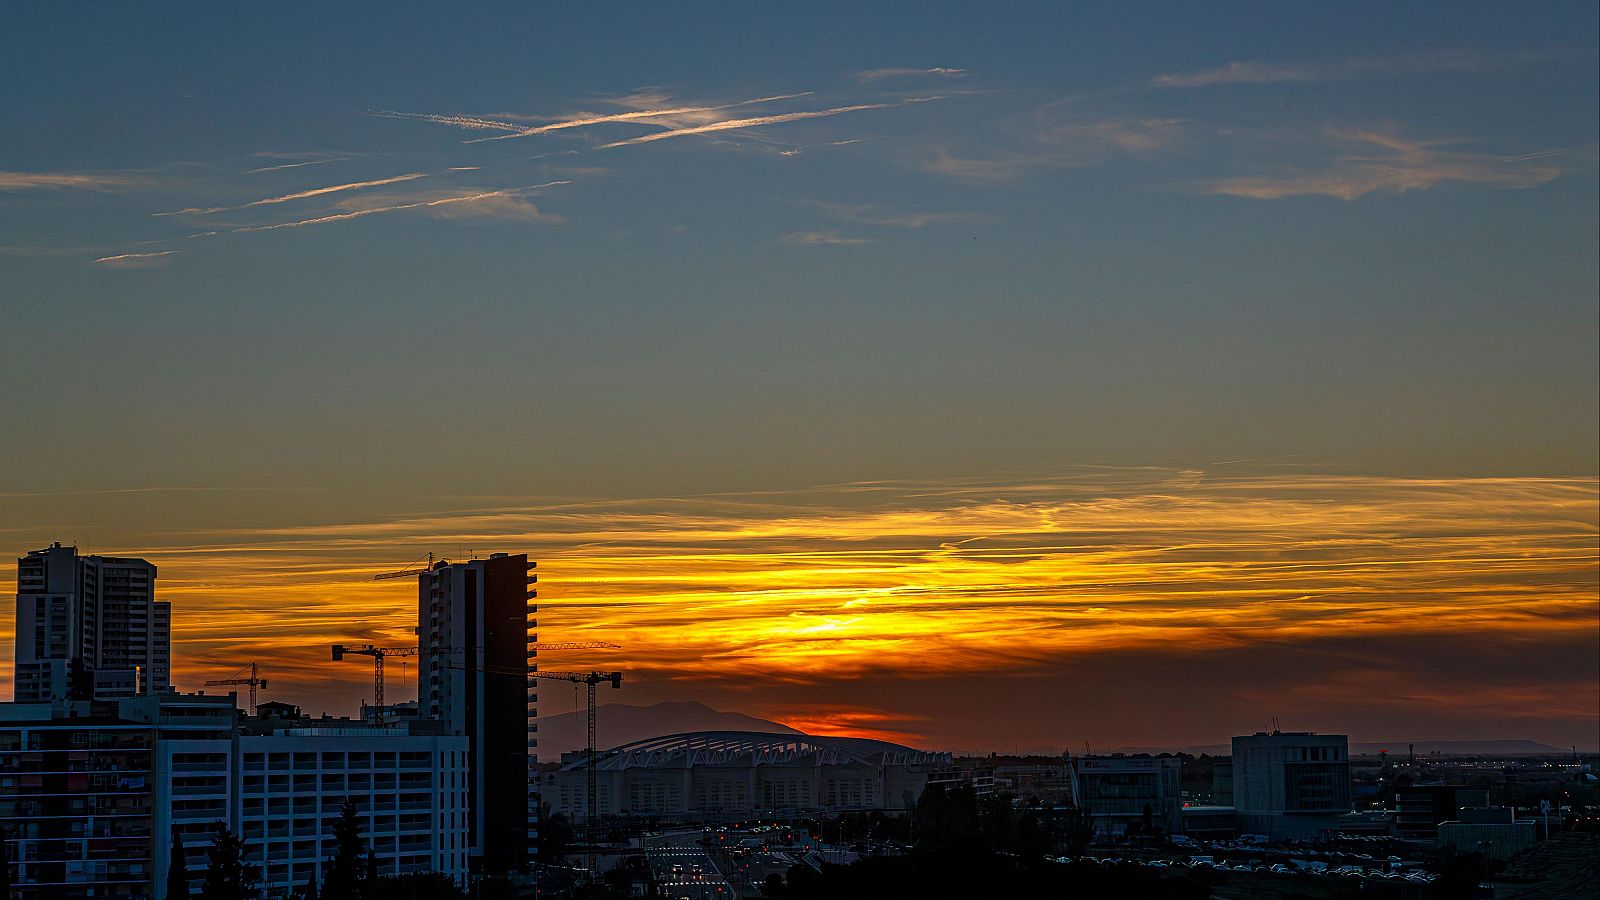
340,217
314,162
134,257
301,195
518,129
729,124
633,116
458,121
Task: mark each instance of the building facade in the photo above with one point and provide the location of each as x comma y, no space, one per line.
1291,784
1420,808
88,627
280,782
76,803
1124,793
476,624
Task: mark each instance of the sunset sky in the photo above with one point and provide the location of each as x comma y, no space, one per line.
977,377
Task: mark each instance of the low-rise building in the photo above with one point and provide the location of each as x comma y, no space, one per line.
1420,808
1123,792
1291,784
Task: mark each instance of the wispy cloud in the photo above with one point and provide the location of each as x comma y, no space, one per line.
430,204
299,195
874,215
82,181
923,579
871,75
828,236
1051,142
511,206
653,111
757,121
1251,72
150,260
1382,162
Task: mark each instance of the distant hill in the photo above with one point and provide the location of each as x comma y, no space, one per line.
1395,748
620,723
1457,748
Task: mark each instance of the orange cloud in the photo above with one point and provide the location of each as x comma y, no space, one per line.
917,580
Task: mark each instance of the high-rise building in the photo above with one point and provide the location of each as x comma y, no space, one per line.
1290,784
89,627
476,630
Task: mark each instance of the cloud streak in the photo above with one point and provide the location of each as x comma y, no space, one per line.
756,121
911,582
872,75
420,204
872,215
1382,163
1252,72
299,195
581,120
296,165
149,260
83,181
825,237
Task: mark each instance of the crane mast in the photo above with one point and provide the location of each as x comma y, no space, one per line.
254,680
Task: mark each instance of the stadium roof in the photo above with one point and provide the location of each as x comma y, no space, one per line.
740,749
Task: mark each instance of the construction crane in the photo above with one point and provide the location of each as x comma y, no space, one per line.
591,680
340,651
378,654
255,680
413,569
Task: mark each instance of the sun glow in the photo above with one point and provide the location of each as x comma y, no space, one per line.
920,579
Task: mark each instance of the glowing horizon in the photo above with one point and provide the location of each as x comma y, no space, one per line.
923,581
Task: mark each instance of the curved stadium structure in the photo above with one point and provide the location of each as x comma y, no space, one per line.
715,775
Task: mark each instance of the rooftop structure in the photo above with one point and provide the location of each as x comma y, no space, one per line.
709,775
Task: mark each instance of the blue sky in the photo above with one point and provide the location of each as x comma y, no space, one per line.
957,240
316,269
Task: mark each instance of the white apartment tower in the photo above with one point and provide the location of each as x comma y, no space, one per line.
89,627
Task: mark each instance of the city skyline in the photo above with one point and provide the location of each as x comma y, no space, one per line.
962,378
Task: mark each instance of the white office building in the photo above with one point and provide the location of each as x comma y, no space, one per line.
1290,784
283,789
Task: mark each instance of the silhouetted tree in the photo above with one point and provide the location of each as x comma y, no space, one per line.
1077,829
228,875
178,870
555,836
413,886
344,874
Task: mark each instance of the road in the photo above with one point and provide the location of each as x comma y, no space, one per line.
683,869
